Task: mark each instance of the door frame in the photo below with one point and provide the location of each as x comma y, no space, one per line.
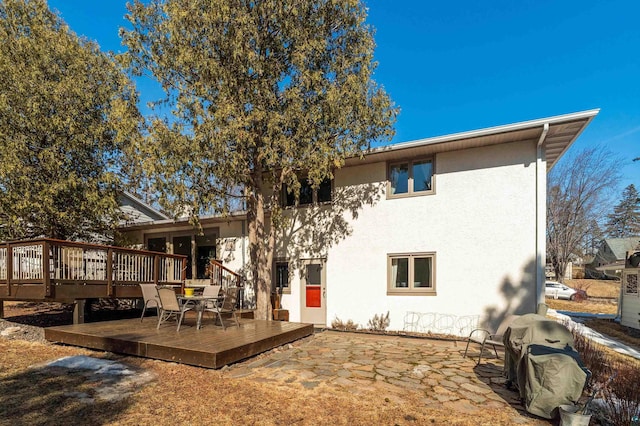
317,316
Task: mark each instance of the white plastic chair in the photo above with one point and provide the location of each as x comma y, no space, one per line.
411,321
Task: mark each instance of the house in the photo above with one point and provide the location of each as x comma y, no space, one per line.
610,257
550,273
137,210
449,228
629,306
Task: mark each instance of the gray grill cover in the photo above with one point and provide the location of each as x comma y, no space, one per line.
541,361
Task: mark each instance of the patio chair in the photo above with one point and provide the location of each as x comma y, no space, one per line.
150,297
485,337
211,291
228,306
169,306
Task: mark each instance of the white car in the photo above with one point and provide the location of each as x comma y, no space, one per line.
559,291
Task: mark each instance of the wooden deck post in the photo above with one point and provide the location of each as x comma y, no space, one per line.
109,273
78,311
183,275
156,269
9,268
1,308
46,268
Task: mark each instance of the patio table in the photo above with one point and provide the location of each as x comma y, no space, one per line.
199,302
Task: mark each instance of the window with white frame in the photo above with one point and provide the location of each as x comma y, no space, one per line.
411,273
411,177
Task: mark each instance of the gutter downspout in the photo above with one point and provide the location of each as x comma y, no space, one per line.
541,211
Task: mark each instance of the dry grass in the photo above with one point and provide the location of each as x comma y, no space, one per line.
615,374
596,288
183,394
582,306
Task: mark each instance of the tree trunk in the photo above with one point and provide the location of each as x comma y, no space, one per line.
259,250
559,268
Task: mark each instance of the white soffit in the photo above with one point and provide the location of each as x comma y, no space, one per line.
563,131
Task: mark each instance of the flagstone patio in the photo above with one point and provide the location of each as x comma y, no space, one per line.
393,366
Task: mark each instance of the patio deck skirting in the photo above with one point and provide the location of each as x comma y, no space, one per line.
209,347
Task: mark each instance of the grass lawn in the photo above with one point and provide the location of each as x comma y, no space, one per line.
594,288
582,306
182,394
597,288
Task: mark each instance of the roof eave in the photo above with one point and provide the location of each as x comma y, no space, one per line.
487,136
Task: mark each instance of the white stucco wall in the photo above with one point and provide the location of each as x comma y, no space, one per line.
481,223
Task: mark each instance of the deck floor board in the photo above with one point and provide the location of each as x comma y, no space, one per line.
211,346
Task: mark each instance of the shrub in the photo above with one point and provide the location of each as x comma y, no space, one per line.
379,323
338,324
622,397
582,288
592,356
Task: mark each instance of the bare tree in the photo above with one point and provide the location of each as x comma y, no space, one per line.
591,241
578,195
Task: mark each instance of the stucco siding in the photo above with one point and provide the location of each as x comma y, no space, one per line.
480,223
483,221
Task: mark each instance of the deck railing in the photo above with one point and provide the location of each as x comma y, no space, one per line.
52,262
225,277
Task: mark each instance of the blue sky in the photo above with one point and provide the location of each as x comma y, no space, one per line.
453,66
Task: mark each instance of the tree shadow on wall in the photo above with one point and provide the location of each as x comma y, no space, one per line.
520,297
311,231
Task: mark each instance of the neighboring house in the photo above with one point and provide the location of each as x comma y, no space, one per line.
610,256
550,274
137,210
452,225
629,306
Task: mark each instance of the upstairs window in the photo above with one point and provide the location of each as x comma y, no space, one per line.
409,178
308,195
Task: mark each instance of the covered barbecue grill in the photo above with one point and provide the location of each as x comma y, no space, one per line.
541,362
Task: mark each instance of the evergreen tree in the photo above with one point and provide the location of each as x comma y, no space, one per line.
60,141
264,93
625,219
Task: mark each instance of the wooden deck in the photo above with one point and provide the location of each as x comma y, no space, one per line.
209,347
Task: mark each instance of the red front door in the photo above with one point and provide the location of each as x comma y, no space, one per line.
313,295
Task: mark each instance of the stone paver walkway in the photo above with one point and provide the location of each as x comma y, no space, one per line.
393,365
